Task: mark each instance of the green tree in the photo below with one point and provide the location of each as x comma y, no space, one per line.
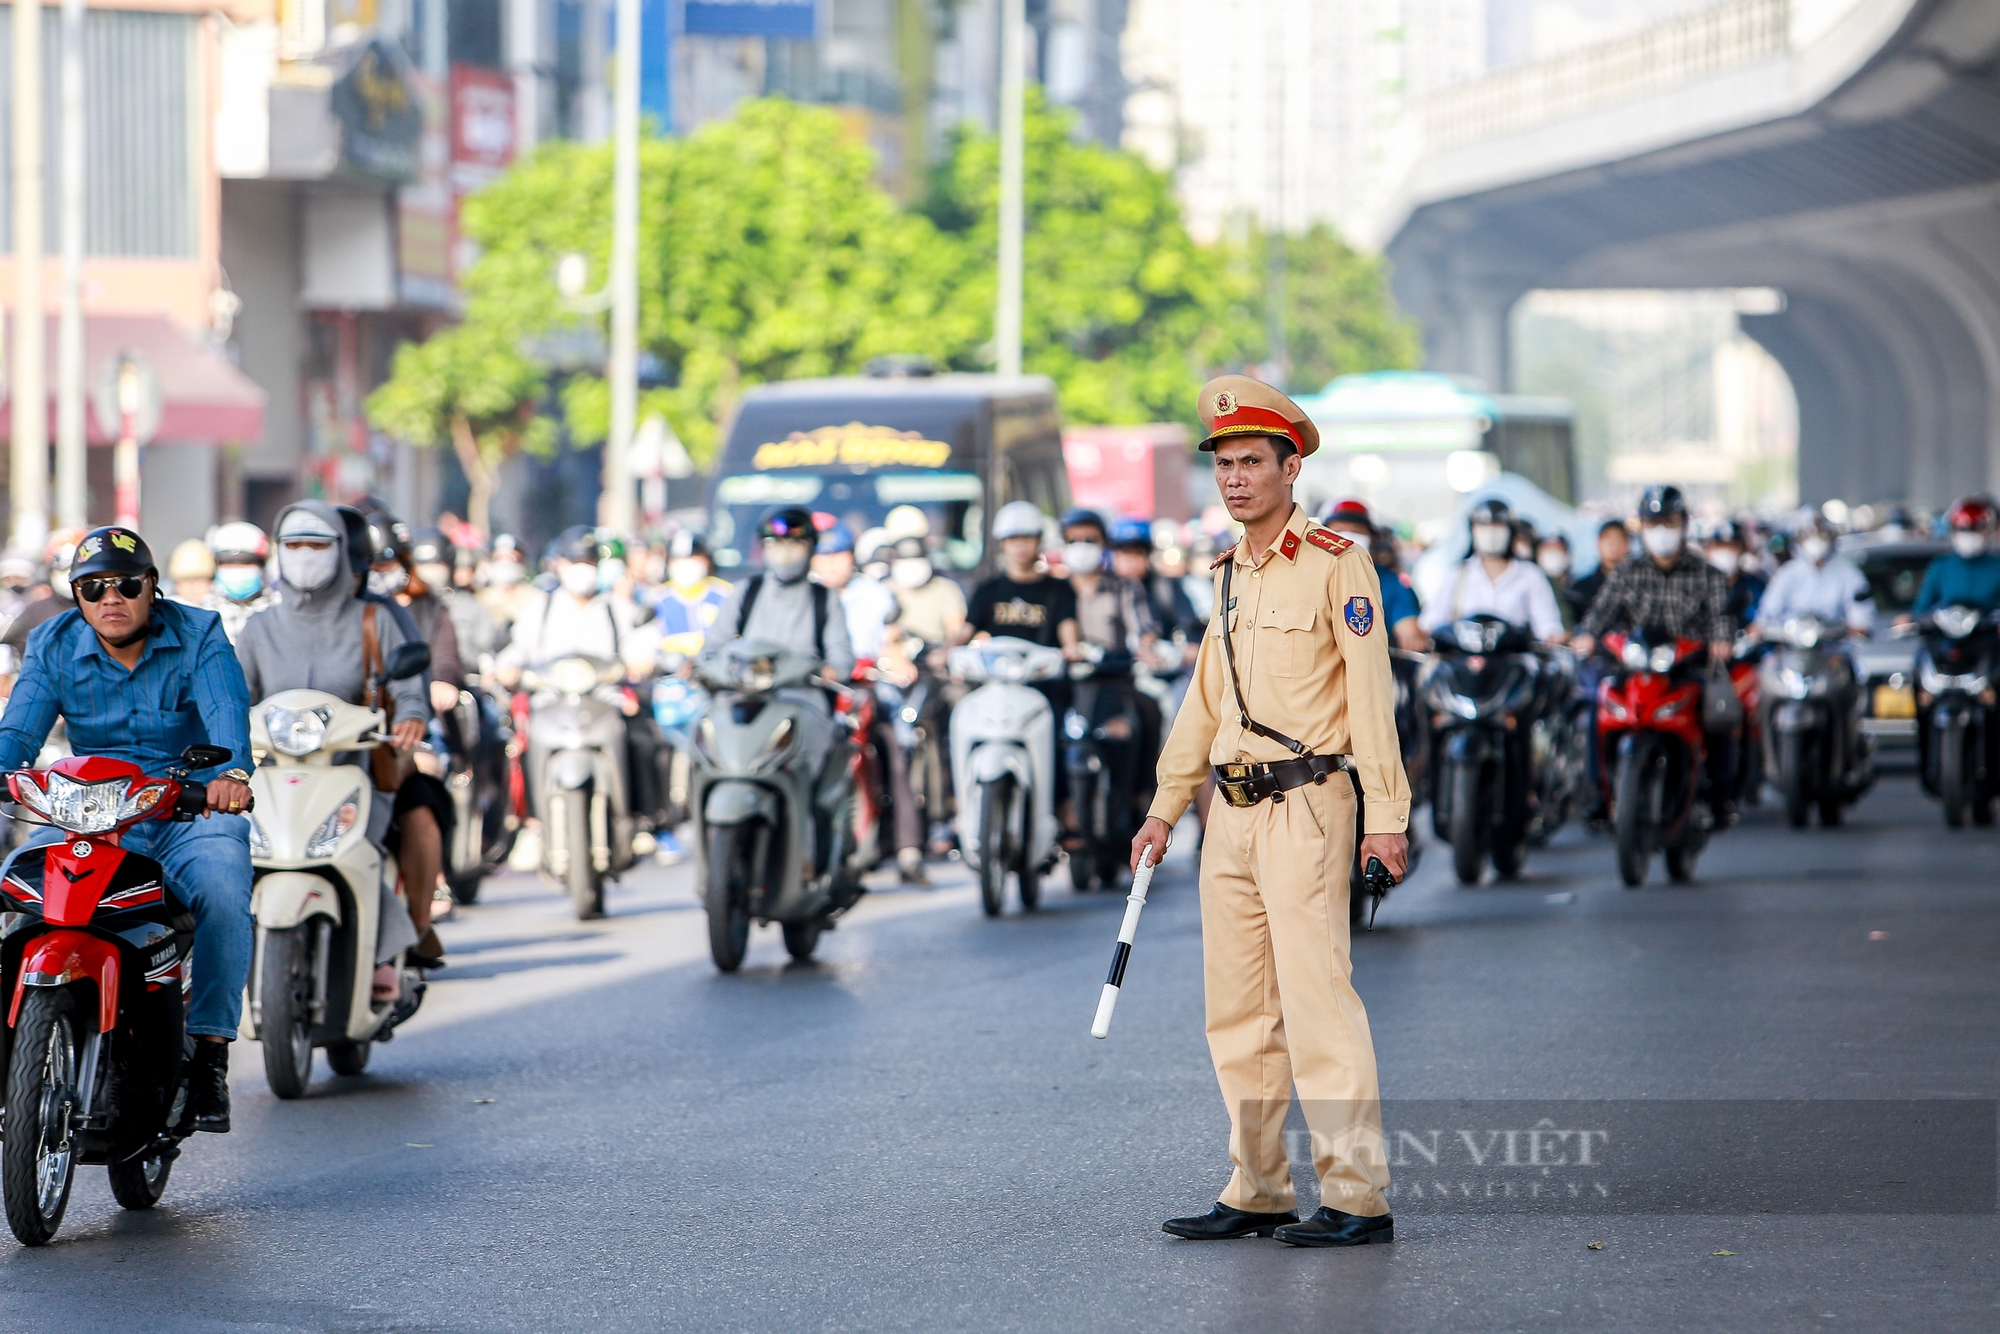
472,386
1339,316
1121,307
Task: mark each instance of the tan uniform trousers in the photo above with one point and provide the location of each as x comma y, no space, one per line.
1282,1010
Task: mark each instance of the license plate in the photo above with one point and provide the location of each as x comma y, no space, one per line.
1895,702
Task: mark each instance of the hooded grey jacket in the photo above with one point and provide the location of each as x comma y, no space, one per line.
311,640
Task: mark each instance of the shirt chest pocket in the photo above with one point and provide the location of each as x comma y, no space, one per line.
1285,640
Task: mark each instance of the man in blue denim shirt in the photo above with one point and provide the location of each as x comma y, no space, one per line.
139,678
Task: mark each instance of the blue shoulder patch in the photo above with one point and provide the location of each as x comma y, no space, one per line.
1360,615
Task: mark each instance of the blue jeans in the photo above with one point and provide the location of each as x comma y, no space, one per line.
208,867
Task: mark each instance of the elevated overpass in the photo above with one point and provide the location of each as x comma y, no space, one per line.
1845,152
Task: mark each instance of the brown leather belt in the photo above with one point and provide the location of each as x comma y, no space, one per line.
1248,784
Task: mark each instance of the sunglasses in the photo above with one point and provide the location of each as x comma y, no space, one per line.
93,590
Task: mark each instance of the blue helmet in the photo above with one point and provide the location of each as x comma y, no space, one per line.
1131,532
836,539
1083,518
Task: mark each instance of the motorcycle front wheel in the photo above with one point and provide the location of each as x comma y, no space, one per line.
802,938
730,850
141,1183
994,799
1954,780
1638,781
38,1160
580,875
1793,768
1468,856
285,988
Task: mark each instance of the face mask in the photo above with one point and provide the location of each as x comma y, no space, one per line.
1554,562
1726,559
609,572
435,574
688,571
240,583
1361,540
1969,545
1522,551
910,571
1662,542
579,579
506,573
1083,557
1491,539
787,564
1815,549
309,569
387,583
59,585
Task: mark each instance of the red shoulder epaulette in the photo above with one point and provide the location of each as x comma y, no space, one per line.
1222,556
1327,540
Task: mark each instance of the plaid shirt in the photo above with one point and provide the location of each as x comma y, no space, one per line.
1690,597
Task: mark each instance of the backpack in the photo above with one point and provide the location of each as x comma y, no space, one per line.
820,593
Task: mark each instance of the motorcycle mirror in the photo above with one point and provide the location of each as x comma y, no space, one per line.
408,660
205,757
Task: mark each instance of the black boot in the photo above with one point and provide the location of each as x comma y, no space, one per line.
1331,1227
208,1086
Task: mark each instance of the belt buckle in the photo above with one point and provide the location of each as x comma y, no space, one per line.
1234,780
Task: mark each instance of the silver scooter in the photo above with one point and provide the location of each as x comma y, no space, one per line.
774,798
576,768
1003,764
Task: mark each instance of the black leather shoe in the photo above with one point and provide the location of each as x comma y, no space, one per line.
1330,1227
1223,1223
208,1086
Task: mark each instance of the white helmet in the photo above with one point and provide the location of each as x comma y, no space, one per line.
1018,518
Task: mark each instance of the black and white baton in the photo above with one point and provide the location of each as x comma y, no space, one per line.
1135,903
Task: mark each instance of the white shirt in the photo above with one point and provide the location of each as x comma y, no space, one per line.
1520,596
1835,591
556,624
870,606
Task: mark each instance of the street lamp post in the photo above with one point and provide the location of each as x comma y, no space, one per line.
1007,316
615,507
28,494
71,468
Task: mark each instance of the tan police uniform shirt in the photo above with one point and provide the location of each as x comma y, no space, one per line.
1309,639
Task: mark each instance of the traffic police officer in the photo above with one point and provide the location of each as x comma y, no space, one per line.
1291,687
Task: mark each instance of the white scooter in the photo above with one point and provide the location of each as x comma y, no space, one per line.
1003,764
320,886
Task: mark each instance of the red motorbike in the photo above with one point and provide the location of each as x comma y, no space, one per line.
1653,750
93,956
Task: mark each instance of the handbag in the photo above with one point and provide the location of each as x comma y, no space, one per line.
385,763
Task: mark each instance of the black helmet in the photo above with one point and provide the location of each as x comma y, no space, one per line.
390,538
1491,510
360,546
1662,503
428,547
687,542
113,550
577,542
1081,517
792,522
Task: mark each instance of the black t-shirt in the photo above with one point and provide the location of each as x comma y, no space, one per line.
1004,607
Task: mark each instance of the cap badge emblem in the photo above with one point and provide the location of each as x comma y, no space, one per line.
1225,403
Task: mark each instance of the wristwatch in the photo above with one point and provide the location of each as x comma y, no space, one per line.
234,775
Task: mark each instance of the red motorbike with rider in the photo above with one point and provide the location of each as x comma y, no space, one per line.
93,959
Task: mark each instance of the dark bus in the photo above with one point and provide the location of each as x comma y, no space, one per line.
956,447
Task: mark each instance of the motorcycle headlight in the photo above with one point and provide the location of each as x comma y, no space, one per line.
1075,727
1463,705
296,732
1661,659
1618,712
259,845
572,676
1803,631
1792,683
1633,656
777,745
1006,667
1956,622
334,827
87,808
756,675
1670,709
